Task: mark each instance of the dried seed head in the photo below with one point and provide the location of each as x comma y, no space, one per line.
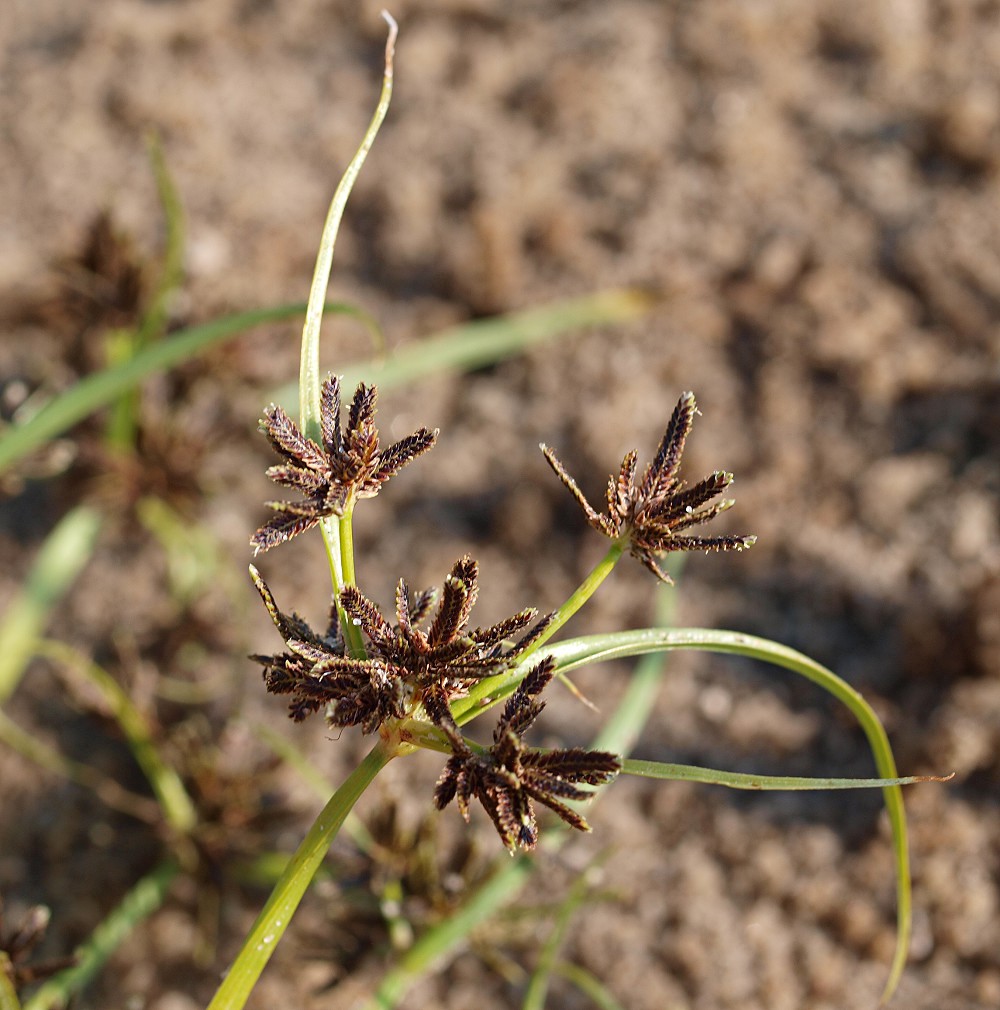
348,465
654,515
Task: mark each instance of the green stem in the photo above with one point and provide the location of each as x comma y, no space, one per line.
581,594
8,995
177,806
352,633
347,545
338,536
273,920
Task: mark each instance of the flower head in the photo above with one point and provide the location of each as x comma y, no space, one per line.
347,466
510,775
318,674
405,666
444,661
654,515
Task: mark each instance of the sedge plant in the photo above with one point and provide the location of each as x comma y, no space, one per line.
413,678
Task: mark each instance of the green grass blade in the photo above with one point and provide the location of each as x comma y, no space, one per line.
106,789
172,273
124,419
65,551
273,920
590,986
178,809
446,937
743,780
98,390
140,902
336,536
622,730
598,648
486,341
8,995
538,984
310,375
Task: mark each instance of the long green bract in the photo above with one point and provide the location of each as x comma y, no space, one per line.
617,645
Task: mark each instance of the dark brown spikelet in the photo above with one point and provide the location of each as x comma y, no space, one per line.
444,661
318,675
508,777
348,465
655,514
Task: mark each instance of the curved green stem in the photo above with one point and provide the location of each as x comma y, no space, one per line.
310,382
309,371
595,648
281,905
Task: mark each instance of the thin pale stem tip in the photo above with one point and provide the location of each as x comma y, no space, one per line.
390,42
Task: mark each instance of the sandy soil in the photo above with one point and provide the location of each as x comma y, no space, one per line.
811,187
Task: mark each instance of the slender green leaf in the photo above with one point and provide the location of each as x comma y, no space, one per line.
599,648
487,341
742,780
65,551
106,789
310,375
98,390
336,531
8,995
590,986
273,920
172,272
140,902
178,809
623,728
124,419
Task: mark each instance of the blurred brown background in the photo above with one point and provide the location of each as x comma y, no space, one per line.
812,189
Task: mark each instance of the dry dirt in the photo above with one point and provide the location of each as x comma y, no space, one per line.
812,188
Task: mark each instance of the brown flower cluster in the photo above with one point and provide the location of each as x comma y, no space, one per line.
318,674
429,656
509,776
443,662
348,465
405,666
408,667
655,514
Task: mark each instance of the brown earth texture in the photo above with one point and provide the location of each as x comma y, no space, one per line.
808,188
